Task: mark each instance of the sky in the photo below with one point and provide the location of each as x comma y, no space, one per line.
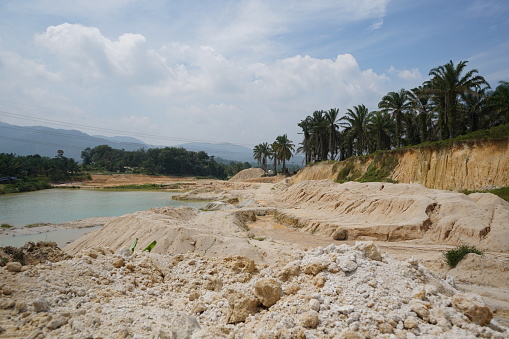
237,71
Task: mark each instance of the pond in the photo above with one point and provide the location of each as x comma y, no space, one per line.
62,205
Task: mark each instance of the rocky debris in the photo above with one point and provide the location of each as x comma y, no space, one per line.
32,253
473,307
192,296
13,266
268,291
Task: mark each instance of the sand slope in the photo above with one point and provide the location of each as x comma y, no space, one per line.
395,212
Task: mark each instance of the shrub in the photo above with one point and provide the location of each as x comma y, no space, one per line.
454,256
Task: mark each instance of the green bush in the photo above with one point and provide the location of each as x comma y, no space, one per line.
454,256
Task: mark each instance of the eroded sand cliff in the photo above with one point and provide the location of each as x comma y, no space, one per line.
471,165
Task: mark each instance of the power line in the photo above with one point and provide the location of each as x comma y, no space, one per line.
73,136
41,142
109,130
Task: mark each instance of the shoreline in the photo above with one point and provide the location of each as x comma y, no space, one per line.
75,224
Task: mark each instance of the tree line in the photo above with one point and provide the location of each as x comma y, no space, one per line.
167,161
33,172
453,102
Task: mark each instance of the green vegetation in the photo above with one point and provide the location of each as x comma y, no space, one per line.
145,187
6,226
454,256
37,224
34,172
165,161
280,151
380,168
502,192
455,104
133,246
150,247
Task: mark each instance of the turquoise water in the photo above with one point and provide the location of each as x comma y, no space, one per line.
57,206
61,205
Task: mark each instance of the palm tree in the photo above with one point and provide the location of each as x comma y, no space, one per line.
448,85
306,148
315,143
284,149
380,126
396,104
497,106
421,104
257,154
319,136
473,106
356,121
331,117
273,155
260,153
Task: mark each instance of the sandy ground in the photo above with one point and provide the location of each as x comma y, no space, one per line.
490,282
114,180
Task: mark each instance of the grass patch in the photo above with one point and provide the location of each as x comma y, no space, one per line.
454,256
38,224
6,226
502,192
144,187
345,173
380,168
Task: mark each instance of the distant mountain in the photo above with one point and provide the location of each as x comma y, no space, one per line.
231,152
46,141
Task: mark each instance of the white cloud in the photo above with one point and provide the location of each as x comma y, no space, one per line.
407,74
376,25
87,56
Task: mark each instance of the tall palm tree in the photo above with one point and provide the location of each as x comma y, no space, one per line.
421,104
307,147
356,121
319,136
284,149
257,154
473,107
380,126
448,85
396,104
260,153
273,155
331,116
315,143
497,107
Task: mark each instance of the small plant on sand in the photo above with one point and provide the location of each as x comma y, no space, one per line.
454,256
148,248
6,226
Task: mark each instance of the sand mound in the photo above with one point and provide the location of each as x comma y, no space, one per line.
180,230
250,173
395,212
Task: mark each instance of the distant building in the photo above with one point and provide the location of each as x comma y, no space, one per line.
8,180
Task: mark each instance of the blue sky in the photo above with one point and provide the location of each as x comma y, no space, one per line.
239,71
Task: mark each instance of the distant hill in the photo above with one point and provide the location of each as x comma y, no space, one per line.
46,141
231,152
